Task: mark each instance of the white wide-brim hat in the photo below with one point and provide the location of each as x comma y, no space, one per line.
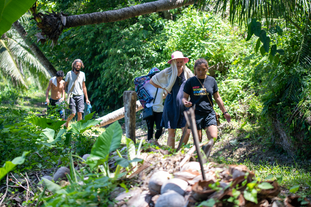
178,55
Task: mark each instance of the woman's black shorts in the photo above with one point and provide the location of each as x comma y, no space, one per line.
205,120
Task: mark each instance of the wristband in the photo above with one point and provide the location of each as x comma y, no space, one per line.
225,113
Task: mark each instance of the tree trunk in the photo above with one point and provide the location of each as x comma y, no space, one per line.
35,49
116,115
124,13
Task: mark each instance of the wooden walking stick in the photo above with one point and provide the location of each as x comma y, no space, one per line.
190,117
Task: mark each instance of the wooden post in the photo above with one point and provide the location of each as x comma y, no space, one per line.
129,100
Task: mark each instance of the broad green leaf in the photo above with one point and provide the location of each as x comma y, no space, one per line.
235,193
83,125
269,177
250,30
279,178
209,203
257,45
108,141
53,187
265,186
48,133
267,44
9,166
125,163
273,50
59,136
263,36
257,29
279,30
252,184
262,51
89,116
251,196
280,51
294,189
46,123
11,11
130,149
124,186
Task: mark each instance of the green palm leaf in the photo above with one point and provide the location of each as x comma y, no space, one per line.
8,64
242,10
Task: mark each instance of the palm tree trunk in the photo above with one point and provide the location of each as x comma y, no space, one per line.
116,115
35,49
124,13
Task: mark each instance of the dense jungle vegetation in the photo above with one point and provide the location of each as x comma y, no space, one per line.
263,85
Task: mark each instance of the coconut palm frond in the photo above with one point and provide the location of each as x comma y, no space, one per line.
28,59
242,10
9,66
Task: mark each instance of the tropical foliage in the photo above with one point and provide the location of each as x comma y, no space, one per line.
11,11
18,65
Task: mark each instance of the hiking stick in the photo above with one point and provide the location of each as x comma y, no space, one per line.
190,117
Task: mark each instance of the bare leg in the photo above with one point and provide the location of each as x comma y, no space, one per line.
186,138
68,119
171,138
79,116
211,132
200,135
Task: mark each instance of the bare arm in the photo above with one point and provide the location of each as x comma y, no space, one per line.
220,103
63,91
47,93
65,85
85,93
157,86
185,100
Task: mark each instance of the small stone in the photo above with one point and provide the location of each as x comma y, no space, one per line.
191,166
170,199
157,180
85,156
133,192
175,184
117,191
61,173
139,200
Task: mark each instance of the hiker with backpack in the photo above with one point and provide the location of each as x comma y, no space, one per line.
151,99
201,88
172,80
76,90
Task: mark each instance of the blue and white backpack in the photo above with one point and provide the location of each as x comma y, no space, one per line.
143,95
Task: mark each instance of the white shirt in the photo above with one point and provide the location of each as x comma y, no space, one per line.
158,102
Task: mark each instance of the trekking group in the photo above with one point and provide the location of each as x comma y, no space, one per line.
181,89
74,85
165,95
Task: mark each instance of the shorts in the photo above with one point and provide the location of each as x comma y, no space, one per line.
54,103
76,104
205,120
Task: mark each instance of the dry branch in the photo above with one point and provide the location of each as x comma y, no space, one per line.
6,190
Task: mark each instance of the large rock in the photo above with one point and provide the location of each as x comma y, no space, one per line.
170,199
61,173
178,185
157,180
